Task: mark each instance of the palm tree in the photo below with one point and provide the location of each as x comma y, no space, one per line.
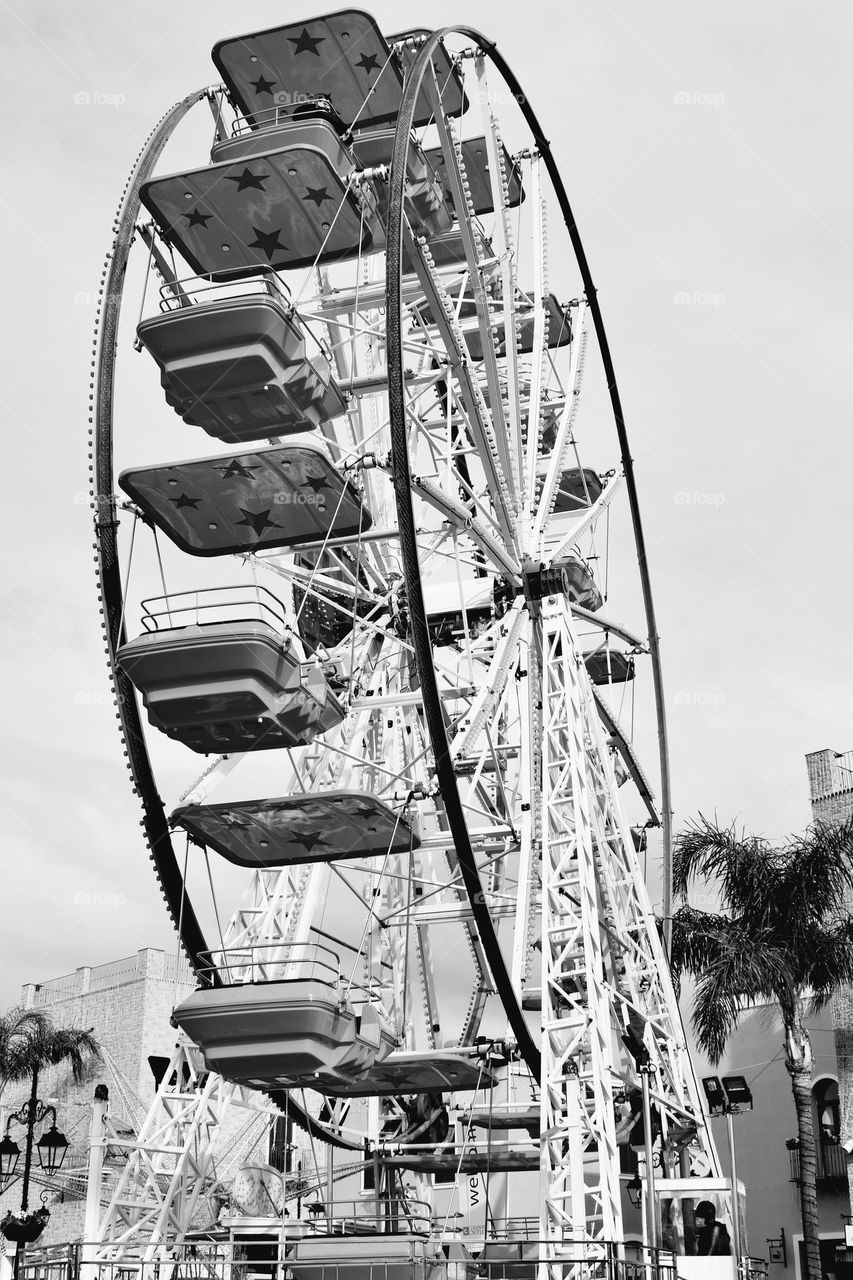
31,1041
785,936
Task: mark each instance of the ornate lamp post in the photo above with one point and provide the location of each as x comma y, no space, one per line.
51,1147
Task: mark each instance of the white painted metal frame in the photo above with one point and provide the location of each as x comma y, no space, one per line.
169,1162
602,961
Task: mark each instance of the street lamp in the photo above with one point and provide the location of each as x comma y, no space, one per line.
52,1147
9,1155
728,1096
635,1190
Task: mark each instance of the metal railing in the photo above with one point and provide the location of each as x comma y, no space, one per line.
272,962
212,606
273,1259
365,1217
261,962
831,1164
235,283
288,106
199,290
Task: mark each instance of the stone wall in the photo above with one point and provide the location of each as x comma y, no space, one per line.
127,1004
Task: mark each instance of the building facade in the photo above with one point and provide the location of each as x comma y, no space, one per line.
831,795
766,1151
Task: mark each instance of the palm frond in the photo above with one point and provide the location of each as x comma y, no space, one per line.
818,872
830,963
743,866
39,1043
17,1027
743,971
698,939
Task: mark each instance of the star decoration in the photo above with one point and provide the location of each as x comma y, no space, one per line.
364,811
258,521
309,839
249,179
268,241
316,483
263,86
236,468
317,194
184,501
368,62
231,820
306,43
197,219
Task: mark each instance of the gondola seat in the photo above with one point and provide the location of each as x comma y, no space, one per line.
241,369
229,687
284,1034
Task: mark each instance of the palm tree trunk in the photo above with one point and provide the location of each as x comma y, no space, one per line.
798,1061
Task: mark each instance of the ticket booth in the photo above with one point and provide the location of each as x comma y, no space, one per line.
696,1224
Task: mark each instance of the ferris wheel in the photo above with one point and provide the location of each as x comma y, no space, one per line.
378,614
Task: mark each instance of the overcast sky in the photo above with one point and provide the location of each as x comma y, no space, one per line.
706,149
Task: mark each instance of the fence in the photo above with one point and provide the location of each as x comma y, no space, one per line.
271,1259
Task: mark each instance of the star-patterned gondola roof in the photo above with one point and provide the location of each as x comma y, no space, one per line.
314,827
316,56
559,328
438,1070
275,497
336,56
282,208
475,158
